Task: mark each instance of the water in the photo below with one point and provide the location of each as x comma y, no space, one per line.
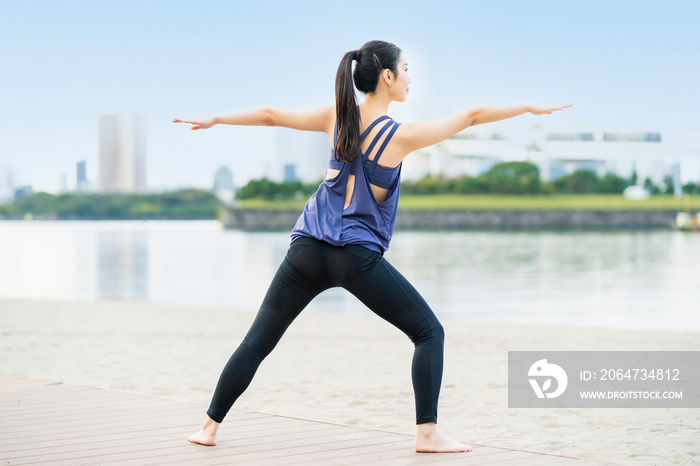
644,279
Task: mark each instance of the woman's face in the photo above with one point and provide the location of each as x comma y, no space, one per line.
399,88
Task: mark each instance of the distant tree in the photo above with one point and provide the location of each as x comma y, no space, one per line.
611,184
578,182
186,203
428,185
261,188
266,189
634,178
668,184
473,185
650,186
514,178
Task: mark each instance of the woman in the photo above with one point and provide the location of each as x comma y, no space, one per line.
340,238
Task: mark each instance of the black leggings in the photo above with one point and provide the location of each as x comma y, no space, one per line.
312,266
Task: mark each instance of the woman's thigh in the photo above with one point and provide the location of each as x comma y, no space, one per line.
299,278
384,290
297,281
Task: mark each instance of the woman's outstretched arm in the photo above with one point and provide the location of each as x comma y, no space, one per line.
413,136
312,119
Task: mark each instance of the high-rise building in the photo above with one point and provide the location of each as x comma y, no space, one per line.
300,155
290,172
676,176
122,157
7,186
22,191
81,184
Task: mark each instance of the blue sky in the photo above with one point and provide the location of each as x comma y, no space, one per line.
626,66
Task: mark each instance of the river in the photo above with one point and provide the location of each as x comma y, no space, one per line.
628,279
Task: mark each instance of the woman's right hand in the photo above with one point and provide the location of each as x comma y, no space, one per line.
538,110
199,124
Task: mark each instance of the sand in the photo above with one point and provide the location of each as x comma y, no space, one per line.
345,368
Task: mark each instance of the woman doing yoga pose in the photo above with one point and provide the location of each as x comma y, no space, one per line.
346,226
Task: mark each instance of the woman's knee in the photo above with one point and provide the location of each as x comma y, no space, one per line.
266,331
428,330
439,330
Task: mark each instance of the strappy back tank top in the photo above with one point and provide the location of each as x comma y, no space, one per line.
365,221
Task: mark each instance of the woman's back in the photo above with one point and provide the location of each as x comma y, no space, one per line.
358,200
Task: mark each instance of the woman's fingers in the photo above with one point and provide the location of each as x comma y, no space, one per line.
196,125
549,110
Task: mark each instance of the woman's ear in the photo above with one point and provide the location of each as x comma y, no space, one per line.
388,76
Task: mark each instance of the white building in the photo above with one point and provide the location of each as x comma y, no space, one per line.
122,154
223,185
558,154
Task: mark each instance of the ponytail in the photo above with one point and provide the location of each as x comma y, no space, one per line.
346,111
371,58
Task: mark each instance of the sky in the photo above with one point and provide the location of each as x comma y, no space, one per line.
625,65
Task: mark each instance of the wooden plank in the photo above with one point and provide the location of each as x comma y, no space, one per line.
44,423
69,429
400,450
133,438
172,445
65,393
332,450
92,409
48,409
181,449
18,450
63,396
35,393
8,382
551,460
275,453
273,450
483,455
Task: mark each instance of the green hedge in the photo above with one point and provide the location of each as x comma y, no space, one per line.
269,190
185,204
522,178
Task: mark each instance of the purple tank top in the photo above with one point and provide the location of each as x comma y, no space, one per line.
364,221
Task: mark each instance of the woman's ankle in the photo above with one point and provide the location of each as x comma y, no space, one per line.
210,425
426,429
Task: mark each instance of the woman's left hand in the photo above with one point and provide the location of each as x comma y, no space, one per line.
542,110
199,124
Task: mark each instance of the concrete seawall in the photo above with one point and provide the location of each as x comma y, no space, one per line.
284,220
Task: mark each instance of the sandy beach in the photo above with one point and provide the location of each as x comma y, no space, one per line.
350,369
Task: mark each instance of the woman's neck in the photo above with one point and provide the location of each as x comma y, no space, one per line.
374,105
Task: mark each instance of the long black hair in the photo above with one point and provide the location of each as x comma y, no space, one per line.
372,58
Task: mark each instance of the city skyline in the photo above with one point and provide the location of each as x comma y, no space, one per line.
301,156
626,67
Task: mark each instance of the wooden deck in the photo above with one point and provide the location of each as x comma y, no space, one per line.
53,423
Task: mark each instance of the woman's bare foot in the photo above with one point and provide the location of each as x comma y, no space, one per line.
207,434
429,440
